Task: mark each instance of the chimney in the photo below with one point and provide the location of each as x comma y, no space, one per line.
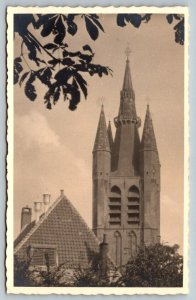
46,201
25,216
62,193
103,248
38,210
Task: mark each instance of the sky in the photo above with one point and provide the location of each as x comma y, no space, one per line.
53,148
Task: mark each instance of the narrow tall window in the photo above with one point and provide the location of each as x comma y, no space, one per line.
133,205
132,244
115,206
118,250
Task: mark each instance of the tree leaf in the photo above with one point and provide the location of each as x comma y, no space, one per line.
91,28
16,76
61,31
50,46
169,18
21,23
23,78
82,83
17,64
135,20
30,89
95,20
44,75
87,48
75,97
64,75
72,28
56,94
48,27
68,62
121,20
177,17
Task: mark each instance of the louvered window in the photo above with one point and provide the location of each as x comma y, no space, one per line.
133,204
115,206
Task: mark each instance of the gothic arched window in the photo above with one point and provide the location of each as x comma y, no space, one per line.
118,248
115,189
133,205
115,206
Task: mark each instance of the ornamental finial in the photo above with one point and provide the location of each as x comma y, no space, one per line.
128,52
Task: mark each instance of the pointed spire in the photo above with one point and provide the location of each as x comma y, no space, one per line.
110,136
127,83
148,137
101,140
127,110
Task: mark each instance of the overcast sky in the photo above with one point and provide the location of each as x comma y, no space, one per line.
53,148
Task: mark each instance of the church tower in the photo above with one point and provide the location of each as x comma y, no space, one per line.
126,179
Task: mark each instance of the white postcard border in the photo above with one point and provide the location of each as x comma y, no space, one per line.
10,156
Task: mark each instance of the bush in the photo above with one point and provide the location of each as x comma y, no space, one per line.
155,266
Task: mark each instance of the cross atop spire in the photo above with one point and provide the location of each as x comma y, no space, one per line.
128,52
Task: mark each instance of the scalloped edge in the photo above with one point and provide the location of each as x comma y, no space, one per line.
9,213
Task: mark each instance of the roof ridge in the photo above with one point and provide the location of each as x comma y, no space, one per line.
36,226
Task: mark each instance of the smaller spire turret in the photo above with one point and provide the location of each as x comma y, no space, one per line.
148,137
101,140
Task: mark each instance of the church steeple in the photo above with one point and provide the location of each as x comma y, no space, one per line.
126,179
148,137
125,157
101,140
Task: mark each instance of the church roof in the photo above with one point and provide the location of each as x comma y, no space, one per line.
101,140
148,137
63,227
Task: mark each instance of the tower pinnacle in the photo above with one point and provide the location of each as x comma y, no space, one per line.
148,136
101,140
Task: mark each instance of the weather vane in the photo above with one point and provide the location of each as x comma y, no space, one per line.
128,51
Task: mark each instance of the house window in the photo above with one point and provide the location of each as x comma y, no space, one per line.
133,205
115,206
43,255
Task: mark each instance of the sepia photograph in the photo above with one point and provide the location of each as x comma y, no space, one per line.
97,164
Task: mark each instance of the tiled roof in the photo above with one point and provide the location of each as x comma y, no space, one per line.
61,226
23,233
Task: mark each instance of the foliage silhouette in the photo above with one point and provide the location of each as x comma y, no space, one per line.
52,63
179,27
155,266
